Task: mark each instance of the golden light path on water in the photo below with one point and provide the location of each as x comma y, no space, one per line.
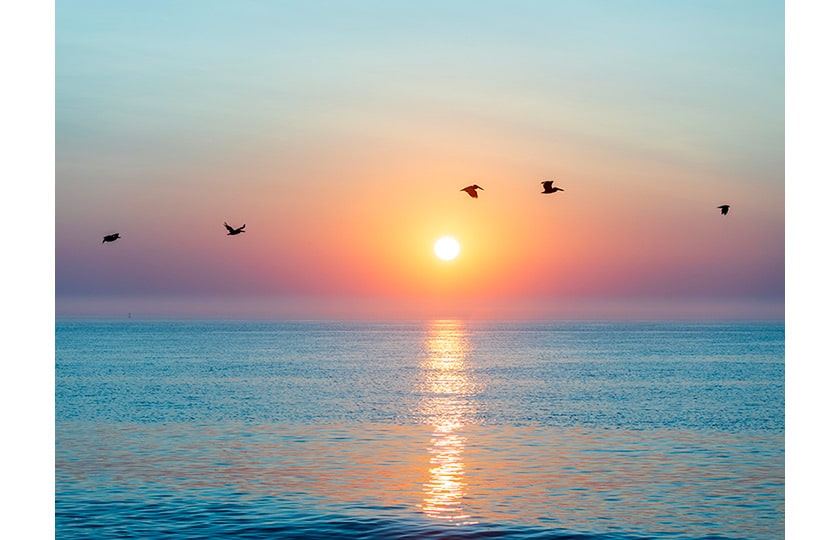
448,389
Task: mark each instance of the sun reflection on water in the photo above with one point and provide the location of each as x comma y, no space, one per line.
448,390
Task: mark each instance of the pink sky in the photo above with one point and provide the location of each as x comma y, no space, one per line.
343,150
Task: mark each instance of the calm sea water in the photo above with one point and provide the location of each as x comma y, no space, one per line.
440,429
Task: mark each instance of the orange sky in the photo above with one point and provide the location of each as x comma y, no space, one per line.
344,157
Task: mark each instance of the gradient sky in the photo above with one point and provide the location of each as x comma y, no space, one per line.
341,133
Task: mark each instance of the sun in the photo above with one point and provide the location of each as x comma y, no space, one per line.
447,248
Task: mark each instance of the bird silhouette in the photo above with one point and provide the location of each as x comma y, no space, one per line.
549,188
471,190
110,237
724,209
232,231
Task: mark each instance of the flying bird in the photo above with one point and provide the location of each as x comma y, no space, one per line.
232,231
549,188
110,237
471,190
724,209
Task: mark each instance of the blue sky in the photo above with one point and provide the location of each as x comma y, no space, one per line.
170,116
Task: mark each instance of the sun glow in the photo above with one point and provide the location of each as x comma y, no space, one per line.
447,248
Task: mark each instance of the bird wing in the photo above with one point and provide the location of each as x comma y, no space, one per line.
228,227
547,183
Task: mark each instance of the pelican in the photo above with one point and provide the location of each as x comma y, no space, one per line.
548,188
724,209
471,190
232,231
110,237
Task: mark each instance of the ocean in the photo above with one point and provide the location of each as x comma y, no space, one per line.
436,429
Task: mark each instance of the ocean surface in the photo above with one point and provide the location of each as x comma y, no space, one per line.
439,429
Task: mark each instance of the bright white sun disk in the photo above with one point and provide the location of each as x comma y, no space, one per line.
447,248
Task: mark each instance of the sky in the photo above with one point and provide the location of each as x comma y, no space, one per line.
341,133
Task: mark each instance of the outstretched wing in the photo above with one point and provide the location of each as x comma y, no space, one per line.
228,227
547,184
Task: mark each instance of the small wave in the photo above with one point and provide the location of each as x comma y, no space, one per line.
187,519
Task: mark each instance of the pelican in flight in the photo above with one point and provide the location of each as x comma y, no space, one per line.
471,190
549,188
724,209
110,237
232,231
